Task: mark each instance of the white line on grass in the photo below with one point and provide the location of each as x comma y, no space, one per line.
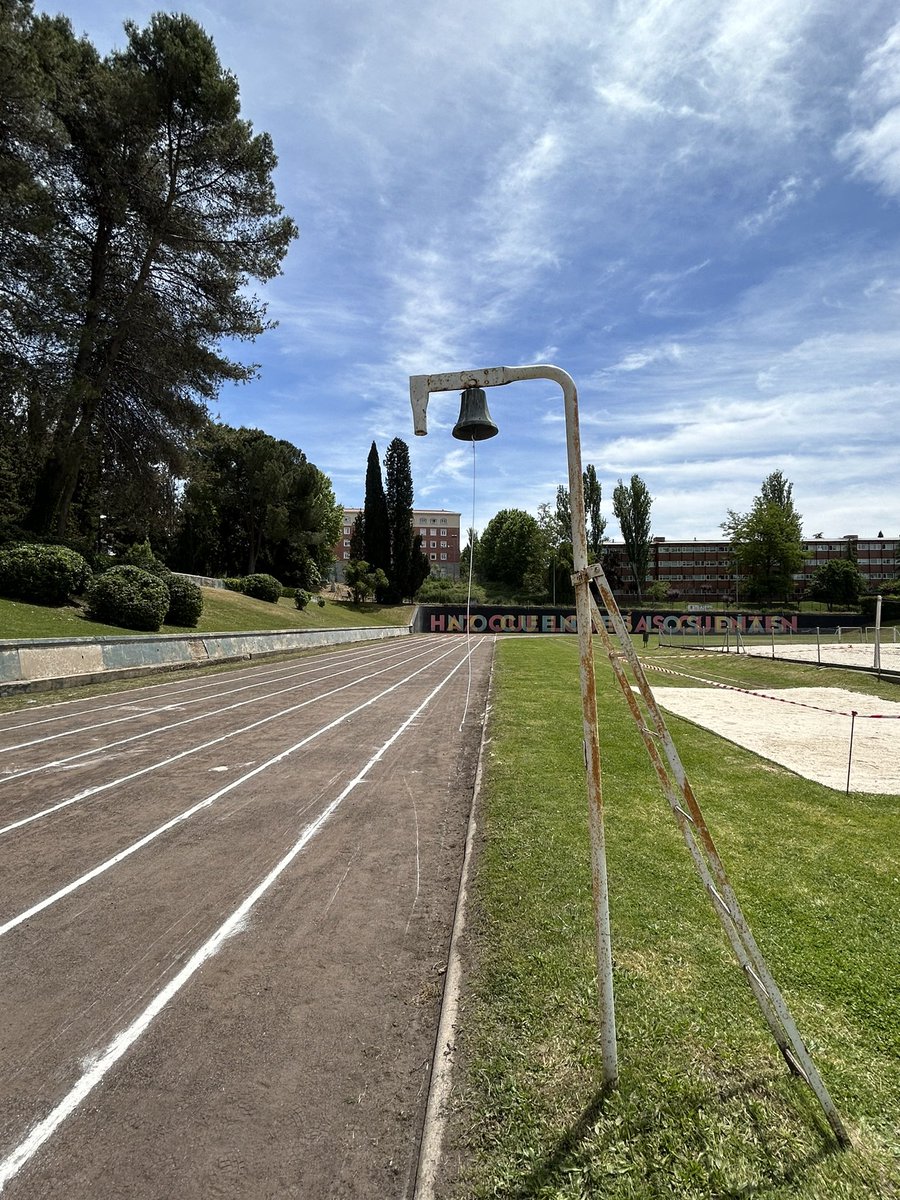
234,924
109,863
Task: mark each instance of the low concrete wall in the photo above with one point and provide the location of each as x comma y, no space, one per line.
201,580
48,663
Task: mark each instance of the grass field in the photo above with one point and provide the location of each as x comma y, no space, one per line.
705,1107
223,612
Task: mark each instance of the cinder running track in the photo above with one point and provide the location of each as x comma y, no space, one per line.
225,908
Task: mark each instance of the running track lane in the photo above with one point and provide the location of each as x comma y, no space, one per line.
245,1004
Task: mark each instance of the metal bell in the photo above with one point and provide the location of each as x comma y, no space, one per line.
474,424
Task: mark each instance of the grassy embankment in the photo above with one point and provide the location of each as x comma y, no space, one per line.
223,612
705,1107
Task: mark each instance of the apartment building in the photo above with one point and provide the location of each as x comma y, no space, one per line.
438,528
702,571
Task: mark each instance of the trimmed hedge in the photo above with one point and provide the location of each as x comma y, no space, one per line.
129,597
261,587
890,608
42,574
185,601
301,598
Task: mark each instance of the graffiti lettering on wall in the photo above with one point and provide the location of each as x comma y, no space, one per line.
501,621
504,623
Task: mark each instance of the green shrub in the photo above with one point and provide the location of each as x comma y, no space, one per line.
261,587
234,583
890,608
289,593
301,599
42,574
185,601
129,597
449,591
140,554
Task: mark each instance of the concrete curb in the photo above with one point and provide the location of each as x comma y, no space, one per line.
443,1060
47,664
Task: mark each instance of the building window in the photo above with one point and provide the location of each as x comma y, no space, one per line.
346,542
433,557
444,557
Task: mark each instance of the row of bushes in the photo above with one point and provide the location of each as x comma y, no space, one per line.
126,595
267,587
138,594
259,586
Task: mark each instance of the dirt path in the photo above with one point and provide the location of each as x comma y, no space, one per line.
224,929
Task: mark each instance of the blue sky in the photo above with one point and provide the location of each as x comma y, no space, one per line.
691,206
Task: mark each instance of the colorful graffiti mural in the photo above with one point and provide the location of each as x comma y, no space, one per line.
484,619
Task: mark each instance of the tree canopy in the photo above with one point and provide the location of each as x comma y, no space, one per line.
631,506
136,207
255,503
376,531
511,551
839,581
766,542
409,566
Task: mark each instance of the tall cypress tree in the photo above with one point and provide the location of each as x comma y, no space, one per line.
399,496
376,532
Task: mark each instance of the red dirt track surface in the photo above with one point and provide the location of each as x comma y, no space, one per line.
225,910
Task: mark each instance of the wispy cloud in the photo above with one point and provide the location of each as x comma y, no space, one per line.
691,206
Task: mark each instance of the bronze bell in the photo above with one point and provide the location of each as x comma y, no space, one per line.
474,424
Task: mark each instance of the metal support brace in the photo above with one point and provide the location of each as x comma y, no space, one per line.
698,839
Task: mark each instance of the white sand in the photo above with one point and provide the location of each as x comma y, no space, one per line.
812,741
833,653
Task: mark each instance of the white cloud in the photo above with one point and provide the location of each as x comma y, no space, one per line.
875,152
872,148
779,201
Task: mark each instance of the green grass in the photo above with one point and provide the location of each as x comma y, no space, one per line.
223,612
705,1107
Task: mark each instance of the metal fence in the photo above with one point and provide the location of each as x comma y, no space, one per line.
859,646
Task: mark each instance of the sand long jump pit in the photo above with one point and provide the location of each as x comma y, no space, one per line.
807,730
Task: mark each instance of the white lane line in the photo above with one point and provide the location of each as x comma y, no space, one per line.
233,925
132,695
103,867
147,733
97,788
316,673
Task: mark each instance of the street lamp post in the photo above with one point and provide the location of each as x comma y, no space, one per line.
420,388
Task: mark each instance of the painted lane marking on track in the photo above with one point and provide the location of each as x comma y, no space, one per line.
103,867
232,926
96,789
59,762
366,650
175,706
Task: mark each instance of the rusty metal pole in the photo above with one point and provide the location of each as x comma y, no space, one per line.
420,387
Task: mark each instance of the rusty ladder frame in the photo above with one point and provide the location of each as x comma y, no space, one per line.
694,830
